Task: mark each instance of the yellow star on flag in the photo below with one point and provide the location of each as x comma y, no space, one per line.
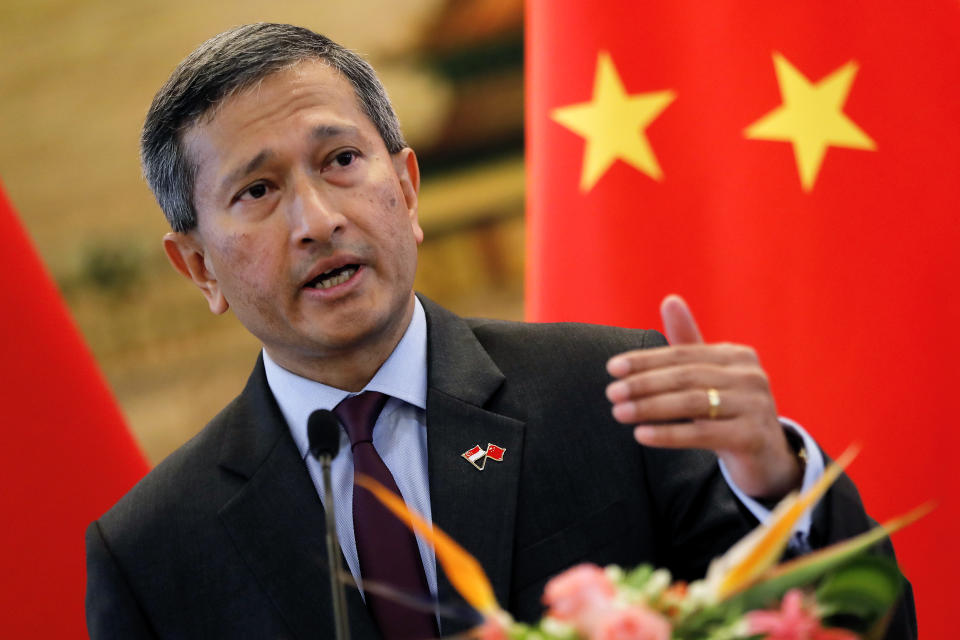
613,124
811,117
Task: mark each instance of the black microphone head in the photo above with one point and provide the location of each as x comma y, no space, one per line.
323,431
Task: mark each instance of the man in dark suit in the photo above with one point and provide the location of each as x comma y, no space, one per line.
293,200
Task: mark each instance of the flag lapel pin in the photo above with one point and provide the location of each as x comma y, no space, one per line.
495,452
478,457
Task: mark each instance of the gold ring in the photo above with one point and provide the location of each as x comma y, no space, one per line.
713,398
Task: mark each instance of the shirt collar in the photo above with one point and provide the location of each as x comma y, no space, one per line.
402,376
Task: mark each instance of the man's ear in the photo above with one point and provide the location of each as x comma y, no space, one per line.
188,256
408,171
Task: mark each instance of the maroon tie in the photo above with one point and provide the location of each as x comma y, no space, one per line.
386,548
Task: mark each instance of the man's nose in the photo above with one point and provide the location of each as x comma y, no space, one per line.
314,218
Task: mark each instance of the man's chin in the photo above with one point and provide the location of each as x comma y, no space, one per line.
351,337
347,341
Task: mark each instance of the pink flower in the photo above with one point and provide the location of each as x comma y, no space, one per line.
632,623
491,629
792,622
578,593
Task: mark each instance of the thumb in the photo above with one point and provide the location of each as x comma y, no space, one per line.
678,322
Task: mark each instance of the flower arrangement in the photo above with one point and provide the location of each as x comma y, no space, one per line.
841,592
590,602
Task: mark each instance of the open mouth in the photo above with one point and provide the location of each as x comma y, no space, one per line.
333,277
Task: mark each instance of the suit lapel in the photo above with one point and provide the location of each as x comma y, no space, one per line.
477,508
276,519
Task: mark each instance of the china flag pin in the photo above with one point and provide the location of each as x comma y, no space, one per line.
495,453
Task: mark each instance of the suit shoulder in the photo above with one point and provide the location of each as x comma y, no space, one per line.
571,339
178,484
542,361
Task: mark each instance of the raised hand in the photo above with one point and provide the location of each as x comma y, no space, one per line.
705,396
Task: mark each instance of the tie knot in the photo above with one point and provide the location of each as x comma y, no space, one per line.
359,413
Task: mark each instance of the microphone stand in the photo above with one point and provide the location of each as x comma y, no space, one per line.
333,557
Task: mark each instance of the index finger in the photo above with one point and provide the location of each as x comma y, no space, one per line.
647,359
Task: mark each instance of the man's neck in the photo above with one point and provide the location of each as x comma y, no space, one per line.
350,369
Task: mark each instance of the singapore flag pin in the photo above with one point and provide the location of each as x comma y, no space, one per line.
478,457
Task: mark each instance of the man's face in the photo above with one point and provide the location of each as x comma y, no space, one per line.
307,226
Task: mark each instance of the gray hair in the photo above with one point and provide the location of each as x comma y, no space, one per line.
222,66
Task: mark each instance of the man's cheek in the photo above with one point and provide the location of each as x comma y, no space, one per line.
247,271
240,252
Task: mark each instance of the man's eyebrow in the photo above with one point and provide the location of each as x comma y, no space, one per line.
255,163
333,130
320,131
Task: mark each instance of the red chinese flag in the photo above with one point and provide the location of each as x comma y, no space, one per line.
66,454
791,169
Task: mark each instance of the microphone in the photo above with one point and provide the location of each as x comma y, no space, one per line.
323,433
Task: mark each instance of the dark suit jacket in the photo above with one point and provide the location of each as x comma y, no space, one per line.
225,538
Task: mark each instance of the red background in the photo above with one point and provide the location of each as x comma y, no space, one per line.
848,292
66,456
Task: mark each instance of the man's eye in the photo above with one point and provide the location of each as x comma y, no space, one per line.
345,158
253,192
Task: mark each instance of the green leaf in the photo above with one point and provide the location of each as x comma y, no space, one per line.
805,570
706,622
638,577
865,587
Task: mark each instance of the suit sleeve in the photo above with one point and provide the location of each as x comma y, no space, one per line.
112,610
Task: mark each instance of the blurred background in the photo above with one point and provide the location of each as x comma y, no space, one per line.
861,271
76,81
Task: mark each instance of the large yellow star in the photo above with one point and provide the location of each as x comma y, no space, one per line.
613,124
811,117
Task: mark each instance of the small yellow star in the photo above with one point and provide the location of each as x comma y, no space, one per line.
811,117
613,124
